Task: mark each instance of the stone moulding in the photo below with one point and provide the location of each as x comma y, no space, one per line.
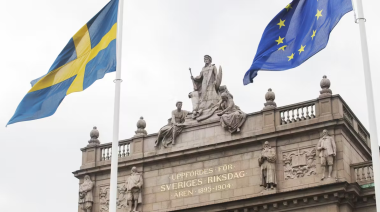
291,200
299,162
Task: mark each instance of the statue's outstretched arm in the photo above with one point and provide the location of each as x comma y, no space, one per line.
198,78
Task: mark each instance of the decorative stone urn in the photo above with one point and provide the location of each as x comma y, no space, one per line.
94,134
141,124
269,97
325,85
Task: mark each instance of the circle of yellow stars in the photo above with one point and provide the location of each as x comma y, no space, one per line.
282,24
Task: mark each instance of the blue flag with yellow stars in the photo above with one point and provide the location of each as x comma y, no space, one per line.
298,32
87,57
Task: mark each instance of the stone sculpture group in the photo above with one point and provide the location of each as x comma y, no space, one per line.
209,99
128,198
212,100
130,192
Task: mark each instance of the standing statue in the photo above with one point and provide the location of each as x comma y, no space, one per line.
85,194
232,118
327,150
267,162
206,95
167,134
132,187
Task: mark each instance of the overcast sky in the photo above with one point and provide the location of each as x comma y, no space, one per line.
162,39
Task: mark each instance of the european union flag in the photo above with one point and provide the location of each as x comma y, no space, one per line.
87,57
299,31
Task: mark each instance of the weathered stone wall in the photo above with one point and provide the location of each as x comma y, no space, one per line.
366,209
210,166
206,134
223,175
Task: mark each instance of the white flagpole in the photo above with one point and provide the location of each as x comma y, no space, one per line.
115,141
370,102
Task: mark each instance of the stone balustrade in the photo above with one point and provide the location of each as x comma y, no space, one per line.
124,150
287,117
298,112
210,162
362,173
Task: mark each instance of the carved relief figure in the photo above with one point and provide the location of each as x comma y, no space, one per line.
168,133
205,96
122,197
327,150
132,188
267,163
85,194
103,200
232,118
299,163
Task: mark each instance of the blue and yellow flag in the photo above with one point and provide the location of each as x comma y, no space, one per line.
299,31
87,57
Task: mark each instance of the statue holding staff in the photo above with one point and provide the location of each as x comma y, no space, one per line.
206,90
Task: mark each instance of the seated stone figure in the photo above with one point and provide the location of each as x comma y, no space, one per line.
232,118
168,133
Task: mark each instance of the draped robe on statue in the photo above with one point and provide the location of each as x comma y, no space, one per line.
205,85
134,184
85,194
165,135
267,161
233,118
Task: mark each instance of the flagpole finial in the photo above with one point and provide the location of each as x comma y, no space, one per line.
325,85
141,124
94,134
269,97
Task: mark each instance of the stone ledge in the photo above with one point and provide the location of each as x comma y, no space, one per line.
297,199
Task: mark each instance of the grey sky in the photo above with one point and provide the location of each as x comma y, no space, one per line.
162,39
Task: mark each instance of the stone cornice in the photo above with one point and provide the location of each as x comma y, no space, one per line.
339,193
136,159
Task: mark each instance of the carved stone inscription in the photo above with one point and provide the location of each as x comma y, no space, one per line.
207,181
299,163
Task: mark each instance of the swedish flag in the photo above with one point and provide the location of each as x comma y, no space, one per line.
299,31
87,57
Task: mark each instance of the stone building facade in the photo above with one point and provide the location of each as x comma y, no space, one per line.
211,169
